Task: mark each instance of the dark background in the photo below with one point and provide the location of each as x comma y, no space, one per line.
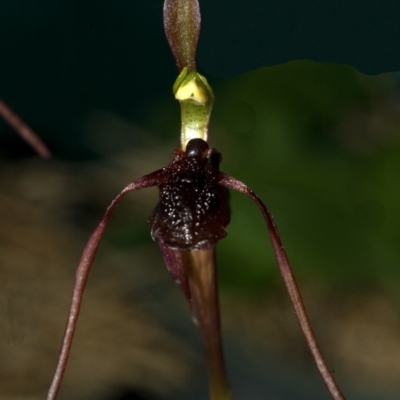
239,36
58,60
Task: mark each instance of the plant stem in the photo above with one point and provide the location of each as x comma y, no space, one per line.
24,130
203,288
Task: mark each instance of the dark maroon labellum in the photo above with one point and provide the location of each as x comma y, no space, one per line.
193,209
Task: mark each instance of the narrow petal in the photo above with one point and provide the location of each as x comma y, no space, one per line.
291,285
24,130
182,28
81,276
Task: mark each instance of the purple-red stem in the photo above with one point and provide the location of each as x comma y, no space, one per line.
204,295
24,130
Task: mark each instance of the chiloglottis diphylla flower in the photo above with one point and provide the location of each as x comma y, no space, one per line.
192,215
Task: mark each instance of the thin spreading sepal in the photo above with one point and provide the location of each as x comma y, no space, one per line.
82,274
290,283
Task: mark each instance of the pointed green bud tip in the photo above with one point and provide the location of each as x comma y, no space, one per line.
182,28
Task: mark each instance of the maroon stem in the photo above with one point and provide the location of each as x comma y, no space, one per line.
291,286
204,294
24,130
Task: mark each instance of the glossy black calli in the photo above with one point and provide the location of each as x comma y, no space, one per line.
193,209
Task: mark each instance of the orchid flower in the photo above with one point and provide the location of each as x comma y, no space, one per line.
192,215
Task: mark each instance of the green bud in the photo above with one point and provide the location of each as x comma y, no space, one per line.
196,98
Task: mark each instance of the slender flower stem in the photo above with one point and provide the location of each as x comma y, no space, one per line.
24,130
203,288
